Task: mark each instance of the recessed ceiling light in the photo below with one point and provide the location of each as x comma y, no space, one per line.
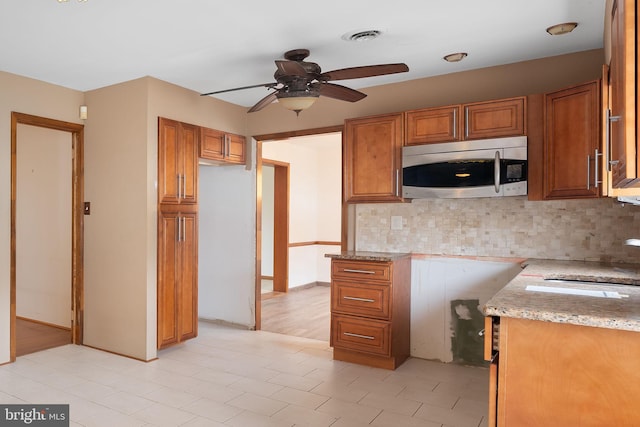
362,36
455,57
559,29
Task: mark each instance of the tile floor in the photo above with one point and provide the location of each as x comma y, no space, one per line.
233,377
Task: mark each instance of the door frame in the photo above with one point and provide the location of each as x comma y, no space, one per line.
77,220
280,224
281,136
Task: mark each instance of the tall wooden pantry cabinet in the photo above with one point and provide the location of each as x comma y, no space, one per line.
177,232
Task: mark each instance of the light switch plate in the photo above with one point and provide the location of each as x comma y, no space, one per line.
396,223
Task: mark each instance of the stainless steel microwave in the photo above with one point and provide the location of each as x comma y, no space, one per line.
464,169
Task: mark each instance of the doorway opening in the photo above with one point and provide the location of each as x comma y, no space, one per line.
45,311
304,172
275,228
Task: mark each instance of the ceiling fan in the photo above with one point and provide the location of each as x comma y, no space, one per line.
300,83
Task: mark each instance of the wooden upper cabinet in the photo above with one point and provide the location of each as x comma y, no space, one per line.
177,162
479,120
622,75
432,125
221,147
372,160
493,119
572,142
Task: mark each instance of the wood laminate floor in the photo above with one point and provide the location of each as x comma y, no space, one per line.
33,336
300,313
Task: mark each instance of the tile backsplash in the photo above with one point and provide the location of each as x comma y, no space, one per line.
590,230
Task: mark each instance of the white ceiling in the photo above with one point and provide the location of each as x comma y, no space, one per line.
207,45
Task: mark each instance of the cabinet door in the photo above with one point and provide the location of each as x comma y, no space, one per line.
188,289
622,82
189,157
177,277
373,159
491,329
572,123
432,125
169,168
494,119
212,144
168,279
236,148
177,162
559,375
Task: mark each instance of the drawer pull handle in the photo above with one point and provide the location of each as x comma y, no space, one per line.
349,270
367,337
359,299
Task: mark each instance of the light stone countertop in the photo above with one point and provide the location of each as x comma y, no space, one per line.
515,301
368,256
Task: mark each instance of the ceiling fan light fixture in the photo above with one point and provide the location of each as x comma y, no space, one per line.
297,101
564,28
455,57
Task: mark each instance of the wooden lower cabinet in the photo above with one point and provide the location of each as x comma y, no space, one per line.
177,277
558,375
370,311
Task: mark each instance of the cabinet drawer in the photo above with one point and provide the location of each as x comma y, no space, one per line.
361,270
360,299
365,335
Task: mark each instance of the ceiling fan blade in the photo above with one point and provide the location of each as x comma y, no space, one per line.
365,71
269,85
263,102
290,68
343,93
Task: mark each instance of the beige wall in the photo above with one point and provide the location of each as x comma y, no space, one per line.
121,183
116,262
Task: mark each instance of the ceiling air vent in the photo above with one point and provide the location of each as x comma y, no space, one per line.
362,36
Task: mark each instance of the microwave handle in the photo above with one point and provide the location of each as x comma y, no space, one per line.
496,172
